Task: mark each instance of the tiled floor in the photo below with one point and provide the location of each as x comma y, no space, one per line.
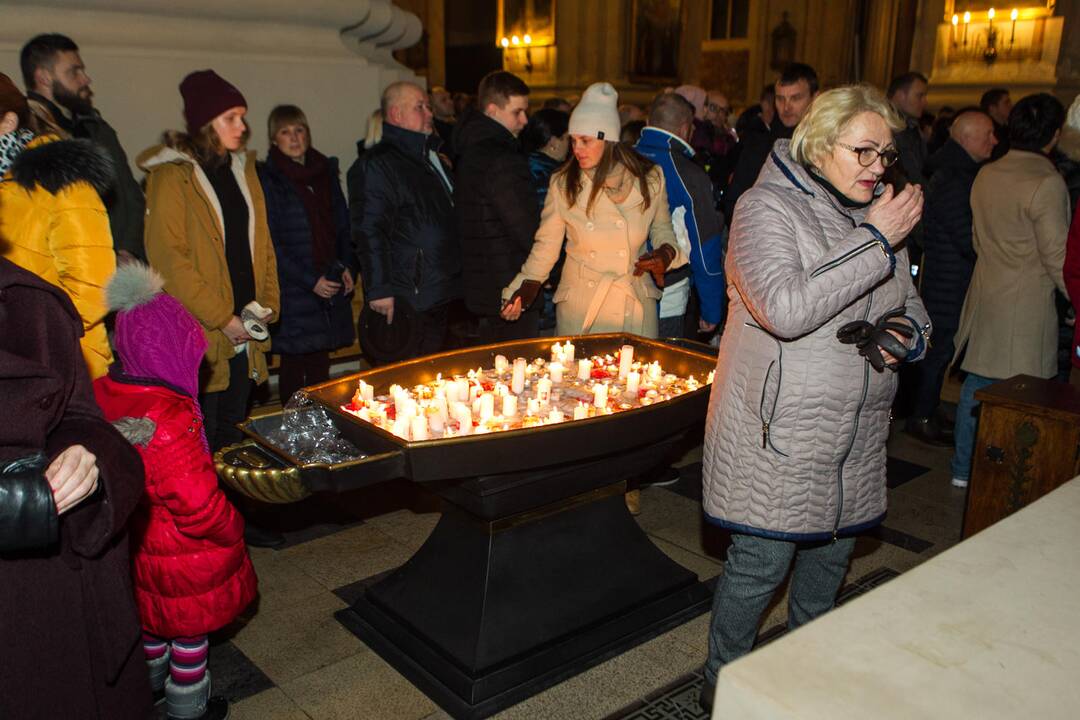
288,658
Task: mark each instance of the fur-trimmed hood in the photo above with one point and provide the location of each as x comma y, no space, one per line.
56,164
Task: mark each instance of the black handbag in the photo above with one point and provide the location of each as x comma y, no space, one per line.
28,518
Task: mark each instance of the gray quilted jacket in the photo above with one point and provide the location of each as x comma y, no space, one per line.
795,436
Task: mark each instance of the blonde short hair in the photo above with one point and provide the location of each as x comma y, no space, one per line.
830,114
283,115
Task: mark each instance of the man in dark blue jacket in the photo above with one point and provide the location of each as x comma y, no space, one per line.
698,225
949,260
402,210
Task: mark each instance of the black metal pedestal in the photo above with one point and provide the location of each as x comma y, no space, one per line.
528,579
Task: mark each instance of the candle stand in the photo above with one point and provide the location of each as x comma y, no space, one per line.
536,570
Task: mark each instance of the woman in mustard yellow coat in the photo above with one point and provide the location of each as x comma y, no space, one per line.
52,220
206,233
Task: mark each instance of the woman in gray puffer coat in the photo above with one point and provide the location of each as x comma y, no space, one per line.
798,419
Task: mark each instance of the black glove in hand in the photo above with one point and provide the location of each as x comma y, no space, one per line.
872,339
655,263
527,293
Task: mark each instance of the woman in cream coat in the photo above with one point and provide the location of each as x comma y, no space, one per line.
619,238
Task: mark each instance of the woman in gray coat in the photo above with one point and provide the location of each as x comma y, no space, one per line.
822,308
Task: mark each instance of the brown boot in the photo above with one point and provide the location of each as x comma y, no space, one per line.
633,501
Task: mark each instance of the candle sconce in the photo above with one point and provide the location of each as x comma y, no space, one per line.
975,38
525,26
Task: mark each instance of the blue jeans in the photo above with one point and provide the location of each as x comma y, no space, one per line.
754,569
967,424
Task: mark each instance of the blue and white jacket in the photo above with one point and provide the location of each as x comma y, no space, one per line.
693,216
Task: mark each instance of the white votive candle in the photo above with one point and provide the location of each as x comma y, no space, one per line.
401,428
555,416
437,422
633,381
626,359
367,392
556,353
517,382
532,406
543,391
501,363
487,407
584,369
599,392
556,369
418,427
568,353
509,405
581,411
655,371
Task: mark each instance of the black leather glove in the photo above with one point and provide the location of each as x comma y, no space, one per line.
527,292
871,339
656,263
28,519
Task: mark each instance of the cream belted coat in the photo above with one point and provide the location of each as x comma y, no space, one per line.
598,292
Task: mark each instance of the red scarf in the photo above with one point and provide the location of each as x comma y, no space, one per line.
312,183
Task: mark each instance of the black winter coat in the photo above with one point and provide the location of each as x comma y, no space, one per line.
949,255
403,227
753,150
124,199
308,322
497,210
70,635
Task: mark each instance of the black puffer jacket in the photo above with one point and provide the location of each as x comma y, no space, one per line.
403,225
753,150
949,255
497,210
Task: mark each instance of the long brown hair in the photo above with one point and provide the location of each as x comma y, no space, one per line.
205,145
615,154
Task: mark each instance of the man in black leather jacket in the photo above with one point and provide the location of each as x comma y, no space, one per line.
402,212
496,204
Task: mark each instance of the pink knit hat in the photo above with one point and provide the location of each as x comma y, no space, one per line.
696,96
155,337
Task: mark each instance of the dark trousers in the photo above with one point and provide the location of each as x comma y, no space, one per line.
300,370
432,330
224,409
493,329
930,373
755,568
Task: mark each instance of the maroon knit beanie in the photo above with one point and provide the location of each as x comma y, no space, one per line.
12,100
206,95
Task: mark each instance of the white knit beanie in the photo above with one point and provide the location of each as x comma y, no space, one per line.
597,115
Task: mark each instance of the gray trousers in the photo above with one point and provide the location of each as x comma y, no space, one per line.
754,569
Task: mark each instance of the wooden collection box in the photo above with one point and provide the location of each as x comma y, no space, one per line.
1028,444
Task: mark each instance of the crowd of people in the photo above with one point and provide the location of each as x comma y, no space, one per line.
822,240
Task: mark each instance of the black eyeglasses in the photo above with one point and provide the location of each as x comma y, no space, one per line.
718,108
867,155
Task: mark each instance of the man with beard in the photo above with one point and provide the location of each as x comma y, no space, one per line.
59,94
796,87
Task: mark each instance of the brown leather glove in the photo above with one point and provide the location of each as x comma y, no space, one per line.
655,263
527,292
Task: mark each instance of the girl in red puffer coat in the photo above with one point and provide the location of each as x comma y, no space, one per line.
191,569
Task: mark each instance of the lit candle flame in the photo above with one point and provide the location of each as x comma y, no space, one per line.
1015,14
505,42
990,13
527,39
955,20
967,18
515,40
